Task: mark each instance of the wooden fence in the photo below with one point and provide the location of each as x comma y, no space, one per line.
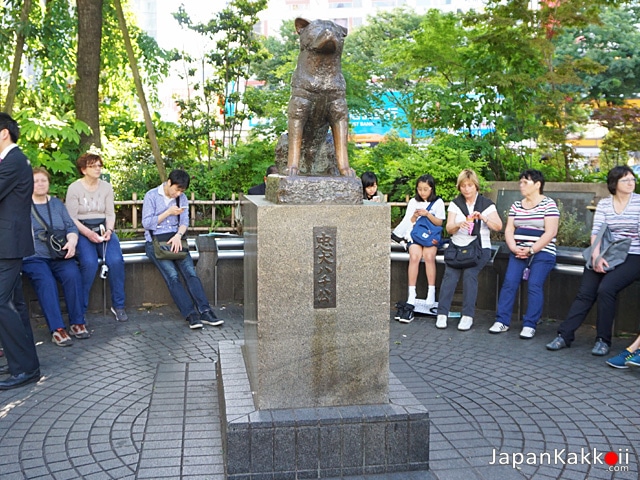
195,206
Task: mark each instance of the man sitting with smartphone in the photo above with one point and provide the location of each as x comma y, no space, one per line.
165,216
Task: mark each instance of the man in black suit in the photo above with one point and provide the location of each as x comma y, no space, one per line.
259,189
16,242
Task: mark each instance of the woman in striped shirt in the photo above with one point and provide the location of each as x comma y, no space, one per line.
530,235
621,213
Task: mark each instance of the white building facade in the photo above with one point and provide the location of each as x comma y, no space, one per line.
350,13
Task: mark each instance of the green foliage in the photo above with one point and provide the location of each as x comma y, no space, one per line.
398,165
617,72
245,167
270,100
374,67
219,106
528,72
571,231
52,142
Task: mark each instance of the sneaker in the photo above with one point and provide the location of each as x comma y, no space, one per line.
498,327
407,314
441,321
399,309
210,318
194,321
79,331
61,338
600,348
465,323
635,360
121,315
557,343
620,360
527,333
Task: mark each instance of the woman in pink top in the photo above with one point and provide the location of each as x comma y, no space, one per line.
90,205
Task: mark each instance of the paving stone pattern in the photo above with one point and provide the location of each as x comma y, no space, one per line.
139,400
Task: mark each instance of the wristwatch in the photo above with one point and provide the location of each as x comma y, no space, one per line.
531,251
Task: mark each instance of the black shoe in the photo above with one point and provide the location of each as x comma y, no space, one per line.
407,314
399,309
210,318
15,381
4,370
396,238
194,321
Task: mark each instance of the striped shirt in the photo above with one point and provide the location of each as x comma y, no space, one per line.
622,225
531,223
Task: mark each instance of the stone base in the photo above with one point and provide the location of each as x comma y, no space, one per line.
323,442
302,190
316,323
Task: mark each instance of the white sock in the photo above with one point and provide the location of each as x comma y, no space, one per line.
431,294
412,295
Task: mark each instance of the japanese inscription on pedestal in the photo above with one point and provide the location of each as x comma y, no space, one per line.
324,267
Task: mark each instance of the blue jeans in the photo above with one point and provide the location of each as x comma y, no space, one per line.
189,301
88,254
541,265
43,274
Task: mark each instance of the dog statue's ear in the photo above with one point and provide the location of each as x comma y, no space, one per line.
301,23
344,30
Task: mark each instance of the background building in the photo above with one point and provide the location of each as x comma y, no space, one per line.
349,13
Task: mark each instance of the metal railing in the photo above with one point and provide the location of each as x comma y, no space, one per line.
135,205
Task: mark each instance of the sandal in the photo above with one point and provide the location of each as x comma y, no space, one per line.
61,338
80,331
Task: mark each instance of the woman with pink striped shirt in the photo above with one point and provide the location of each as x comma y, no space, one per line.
530,235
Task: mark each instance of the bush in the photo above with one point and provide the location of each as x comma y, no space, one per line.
571,231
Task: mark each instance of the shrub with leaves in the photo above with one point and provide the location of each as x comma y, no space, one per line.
571,231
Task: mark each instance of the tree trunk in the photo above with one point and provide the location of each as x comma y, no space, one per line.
88,68
141,97
17,58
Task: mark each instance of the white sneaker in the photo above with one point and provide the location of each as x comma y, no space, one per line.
465,323
527,333
441,322
498,328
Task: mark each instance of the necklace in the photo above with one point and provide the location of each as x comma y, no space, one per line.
619,206
530,203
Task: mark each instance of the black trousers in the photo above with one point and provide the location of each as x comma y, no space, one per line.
603,287
16,335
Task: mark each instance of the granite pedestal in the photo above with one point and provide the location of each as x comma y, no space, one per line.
308,393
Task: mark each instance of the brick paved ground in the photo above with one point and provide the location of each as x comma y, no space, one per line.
138,400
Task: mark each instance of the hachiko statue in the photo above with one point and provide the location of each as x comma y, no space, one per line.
318,99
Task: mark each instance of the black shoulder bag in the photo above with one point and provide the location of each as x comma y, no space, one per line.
470,255
162,250
54,239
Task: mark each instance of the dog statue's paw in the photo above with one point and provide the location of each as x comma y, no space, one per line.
348,172
291,171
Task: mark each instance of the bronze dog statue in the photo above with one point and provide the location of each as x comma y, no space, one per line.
318,98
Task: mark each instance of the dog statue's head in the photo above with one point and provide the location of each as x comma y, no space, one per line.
321,36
